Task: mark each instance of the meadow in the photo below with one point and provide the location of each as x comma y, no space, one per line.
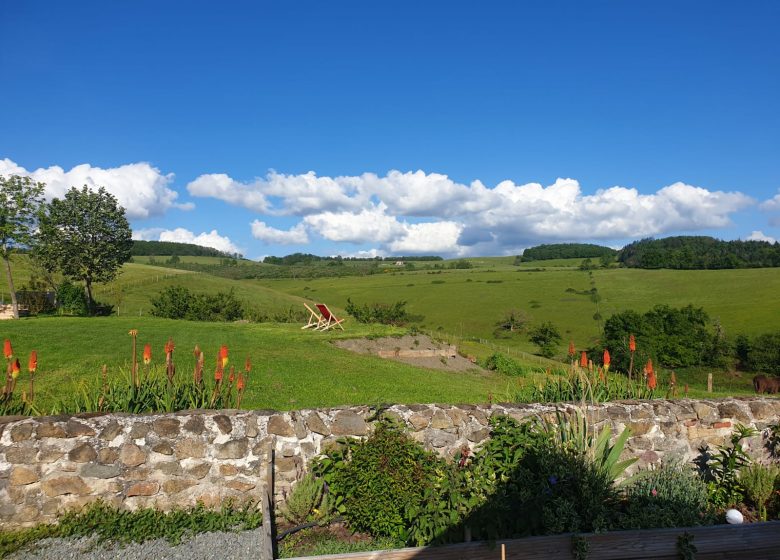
296,369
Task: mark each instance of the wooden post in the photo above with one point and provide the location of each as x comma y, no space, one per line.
709,383
268,544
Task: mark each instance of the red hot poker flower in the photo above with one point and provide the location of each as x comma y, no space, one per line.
169,346
607,359
218,372
15,368
632,343
223,355
147,354
651,380
7,350
649,367
240,383
584,359
571,349
32,365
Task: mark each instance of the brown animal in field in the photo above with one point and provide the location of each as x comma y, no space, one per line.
764,384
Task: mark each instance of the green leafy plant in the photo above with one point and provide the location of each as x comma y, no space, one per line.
759,482
670,496
722,469
307,502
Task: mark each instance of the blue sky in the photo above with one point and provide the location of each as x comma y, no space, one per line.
454,128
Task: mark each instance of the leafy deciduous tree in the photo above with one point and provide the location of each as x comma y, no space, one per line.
547,337
85,235
20,202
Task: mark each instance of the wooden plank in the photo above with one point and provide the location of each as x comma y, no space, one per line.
755,541
268,542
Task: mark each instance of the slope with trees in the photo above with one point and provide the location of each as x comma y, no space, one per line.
565,251
699,252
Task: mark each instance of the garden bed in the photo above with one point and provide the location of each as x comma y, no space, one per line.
757,541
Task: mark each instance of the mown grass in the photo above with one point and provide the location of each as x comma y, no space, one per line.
291,368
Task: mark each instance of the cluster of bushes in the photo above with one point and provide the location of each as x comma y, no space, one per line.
178,302
154,248
565,251
534,478
383,313
759,353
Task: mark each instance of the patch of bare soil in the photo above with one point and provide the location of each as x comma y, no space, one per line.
416,350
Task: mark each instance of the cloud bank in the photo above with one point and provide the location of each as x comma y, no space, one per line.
418,212
140,188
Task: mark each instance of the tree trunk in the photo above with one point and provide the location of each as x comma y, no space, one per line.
90,303
14,303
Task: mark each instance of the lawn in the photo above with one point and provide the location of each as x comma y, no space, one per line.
292,368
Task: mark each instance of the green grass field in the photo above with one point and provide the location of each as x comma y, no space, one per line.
300,369
291,368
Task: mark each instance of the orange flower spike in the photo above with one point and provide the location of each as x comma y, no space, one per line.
7,350
584,359
15,368
607,360
147,354
218,373
240,383
196,352
133,333
232,376
632,343
651,380
223,355
32,365
572,350
649,367
169,346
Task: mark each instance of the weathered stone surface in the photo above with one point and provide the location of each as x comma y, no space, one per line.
457,416
195,425
617,413
316,425
83,453
22,476
348,423
74,428
228,470
233,449
50,454
251,427
440,420
420,421
288,464
299,427
733,410
21,432
166,427
169,468
199,471
111,431
279,426
176,485
142,489
163,448
131,455
762,410
440,438
241,485
140,430
642,412
108,455
62,485
479,435
223,423
190,447
263,447
96,470
640,428
18,454
50,430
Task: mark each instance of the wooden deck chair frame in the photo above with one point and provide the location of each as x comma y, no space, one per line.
329,319
315,319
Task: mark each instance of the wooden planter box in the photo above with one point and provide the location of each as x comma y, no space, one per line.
754,541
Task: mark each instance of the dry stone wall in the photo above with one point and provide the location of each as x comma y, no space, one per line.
50,464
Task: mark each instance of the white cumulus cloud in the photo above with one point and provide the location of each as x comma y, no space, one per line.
294,236
181,235
760,236
140,188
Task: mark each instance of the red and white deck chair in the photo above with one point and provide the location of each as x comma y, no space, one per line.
315,319
329,319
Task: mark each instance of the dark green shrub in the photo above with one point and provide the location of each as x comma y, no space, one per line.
375,482
671,496
503,364
177,302
383,313
71,299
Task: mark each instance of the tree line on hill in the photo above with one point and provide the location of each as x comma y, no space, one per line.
308,258
681,252
142,248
